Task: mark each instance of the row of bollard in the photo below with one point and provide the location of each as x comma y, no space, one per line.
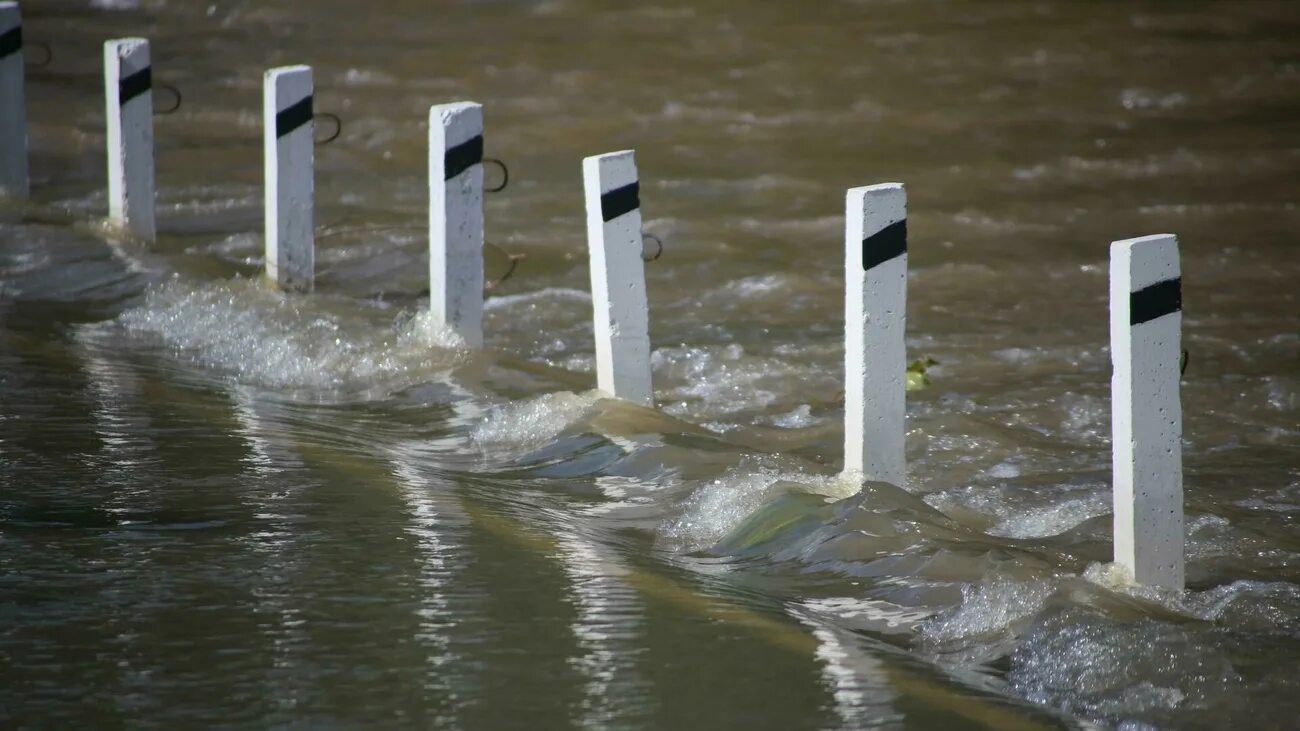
1145,289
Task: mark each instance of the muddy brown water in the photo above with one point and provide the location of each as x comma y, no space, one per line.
220,506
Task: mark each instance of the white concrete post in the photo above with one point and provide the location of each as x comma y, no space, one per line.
456,218
622,325
1146,416
13,106
875,318
128,108
290,157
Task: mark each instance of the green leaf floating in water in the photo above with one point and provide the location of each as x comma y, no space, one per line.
916,377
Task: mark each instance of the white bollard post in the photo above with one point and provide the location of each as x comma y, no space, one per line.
290,157
875,319
13,106
1146,415
456,218
129,111
622,325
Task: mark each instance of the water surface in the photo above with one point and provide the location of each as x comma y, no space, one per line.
220,505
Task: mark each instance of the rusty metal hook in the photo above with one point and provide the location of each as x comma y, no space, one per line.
513,259
175,106
505,174
49,54
338,128
658,252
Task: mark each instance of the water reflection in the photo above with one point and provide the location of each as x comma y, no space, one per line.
435,521
858,682
274,541
607,627
221,502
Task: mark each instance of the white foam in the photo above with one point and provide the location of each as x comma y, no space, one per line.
266,338
801,417
1086,418
717,507
540,295
1252,606
987,609
209,199
364,77
1017,355
1016,516
708,383
1111,671
534,422
1004,470
1051,520
758,286
878,615
1148,99
245,248
1116,578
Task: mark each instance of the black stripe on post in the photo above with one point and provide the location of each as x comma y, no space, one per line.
11,41
620,200
887,243
1156,300
462,157
134,85
293,116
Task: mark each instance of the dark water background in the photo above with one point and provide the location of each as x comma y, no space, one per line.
221,506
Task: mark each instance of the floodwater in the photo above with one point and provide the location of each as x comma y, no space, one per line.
223,506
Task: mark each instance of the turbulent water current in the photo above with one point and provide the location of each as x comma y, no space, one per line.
224,506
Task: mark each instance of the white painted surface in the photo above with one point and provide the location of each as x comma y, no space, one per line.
130,139
622,324
13,110
875,356
290,182
1146,416
456,223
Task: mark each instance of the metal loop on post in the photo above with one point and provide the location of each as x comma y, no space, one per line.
505,175
658,241
513,259
173,107
49,54
338,128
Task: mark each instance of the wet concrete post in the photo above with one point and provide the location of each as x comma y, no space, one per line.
456,218
288,146
618,293
1146,414
13,105
128,109
875,320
